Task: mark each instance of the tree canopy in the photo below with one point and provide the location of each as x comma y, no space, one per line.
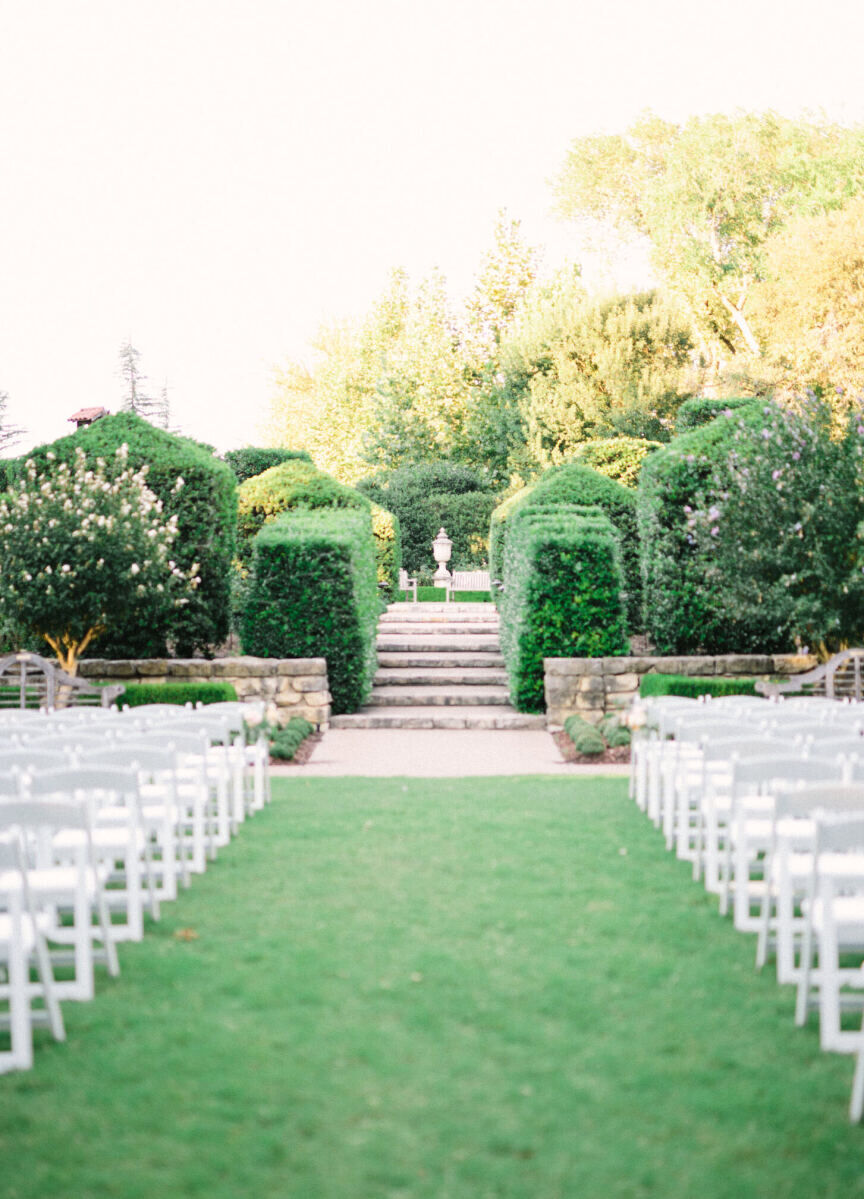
708,194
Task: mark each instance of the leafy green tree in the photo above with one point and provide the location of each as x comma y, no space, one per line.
84,547
616,366
707,194
809,308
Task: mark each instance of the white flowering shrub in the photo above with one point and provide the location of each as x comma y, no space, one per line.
84,547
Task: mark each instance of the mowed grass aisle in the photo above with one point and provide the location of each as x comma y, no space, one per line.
391,988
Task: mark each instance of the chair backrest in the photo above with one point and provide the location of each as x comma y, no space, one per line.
839,834
30,758
761,772
815,797
720,749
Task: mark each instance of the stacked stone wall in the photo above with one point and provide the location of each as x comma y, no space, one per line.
595,687
290,686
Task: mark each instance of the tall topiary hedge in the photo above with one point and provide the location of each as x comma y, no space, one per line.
205,506
252,460
297,484
563,595
580,485
314,593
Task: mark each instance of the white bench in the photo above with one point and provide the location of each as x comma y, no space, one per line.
467,580
407,584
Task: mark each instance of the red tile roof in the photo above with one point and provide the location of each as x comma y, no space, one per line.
84,414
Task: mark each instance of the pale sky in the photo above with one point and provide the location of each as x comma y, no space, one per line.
211,178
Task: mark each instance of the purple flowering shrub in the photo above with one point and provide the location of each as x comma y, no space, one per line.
778,525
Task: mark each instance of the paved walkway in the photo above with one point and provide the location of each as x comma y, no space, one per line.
437,753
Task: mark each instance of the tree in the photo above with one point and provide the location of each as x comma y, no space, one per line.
84,547
613,366
9,434
809,307
708,194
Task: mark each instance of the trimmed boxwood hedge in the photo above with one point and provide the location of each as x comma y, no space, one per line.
701,410
285,742
313,593
562,598
619,458
693,686
252,460
206,517
138,694
297,485
576,484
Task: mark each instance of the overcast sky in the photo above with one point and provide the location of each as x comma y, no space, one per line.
211,178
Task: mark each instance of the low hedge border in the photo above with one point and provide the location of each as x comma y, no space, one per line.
693,686
594,739
138,694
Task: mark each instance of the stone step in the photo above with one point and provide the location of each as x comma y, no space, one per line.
438,718
408,643
491,660
429,609
405,630
440,676
416,617
402,697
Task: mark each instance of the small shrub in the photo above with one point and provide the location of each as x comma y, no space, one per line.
251,461
285,741
587,739
692,687
313,593
138,694
562,596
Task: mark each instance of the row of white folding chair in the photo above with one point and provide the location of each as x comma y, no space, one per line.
759,821
178,732
172,773
22,943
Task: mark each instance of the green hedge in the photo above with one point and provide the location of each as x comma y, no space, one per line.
250,461
430,495
619,458
562,598
701,410
138,694
205,507
576,484
298,485
693,687
313,593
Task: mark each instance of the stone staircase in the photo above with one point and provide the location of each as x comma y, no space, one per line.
439,667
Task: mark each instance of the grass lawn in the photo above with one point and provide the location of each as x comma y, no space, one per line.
437,595
391,989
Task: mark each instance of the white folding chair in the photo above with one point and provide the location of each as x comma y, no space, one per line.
754,783
21,941
789,864
71,889
833,927
120,842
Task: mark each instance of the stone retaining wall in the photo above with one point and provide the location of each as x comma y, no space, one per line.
595,687
291,686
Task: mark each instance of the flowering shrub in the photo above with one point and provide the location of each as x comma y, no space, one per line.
84,547
779,524
752,533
